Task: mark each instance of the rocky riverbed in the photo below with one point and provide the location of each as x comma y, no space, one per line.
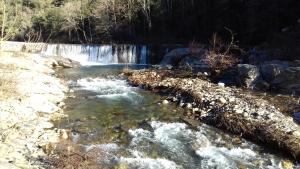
27,133
225,107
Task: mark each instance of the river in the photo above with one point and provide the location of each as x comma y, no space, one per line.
131,128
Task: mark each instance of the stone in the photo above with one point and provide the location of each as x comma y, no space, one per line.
287,164
239,111
174,56
45,125
270,71
61,104
282,75
189,106
231,99
221,84
222,100
165,102
196,64
66,63
64,134
195,110
250,77
247,75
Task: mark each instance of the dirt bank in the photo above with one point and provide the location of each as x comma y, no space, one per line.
29,100
226,108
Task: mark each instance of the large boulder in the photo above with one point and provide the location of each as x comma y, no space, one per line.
250,77
187,58
66,63
197,64
282,75
175,56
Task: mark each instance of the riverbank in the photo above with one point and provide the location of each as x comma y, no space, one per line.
34,99
226,108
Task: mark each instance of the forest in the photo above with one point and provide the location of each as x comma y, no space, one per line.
149,21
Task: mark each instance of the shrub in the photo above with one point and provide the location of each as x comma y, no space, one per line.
220,55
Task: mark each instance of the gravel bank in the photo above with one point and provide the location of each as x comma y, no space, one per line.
226,108
25,118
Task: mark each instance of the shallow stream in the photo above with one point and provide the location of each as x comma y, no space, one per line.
132,129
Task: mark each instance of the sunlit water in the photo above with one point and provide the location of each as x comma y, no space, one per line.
132,129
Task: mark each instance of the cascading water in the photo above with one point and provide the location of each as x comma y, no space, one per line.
99,54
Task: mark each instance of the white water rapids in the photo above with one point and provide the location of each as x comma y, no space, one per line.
172,145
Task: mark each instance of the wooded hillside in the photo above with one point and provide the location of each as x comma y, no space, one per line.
158,21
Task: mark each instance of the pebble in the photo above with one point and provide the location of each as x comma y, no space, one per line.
232,99
239,111
165,102
61,104
287,164
63,134
181,104
189,106
245,114
46,125
221,84
195,110
222,100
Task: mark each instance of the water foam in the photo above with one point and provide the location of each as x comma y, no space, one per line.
177,142
105,88
149,163
99,54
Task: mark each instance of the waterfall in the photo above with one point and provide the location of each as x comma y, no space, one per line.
99,54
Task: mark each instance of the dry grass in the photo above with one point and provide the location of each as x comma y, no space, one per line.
69,156
7,81
220,55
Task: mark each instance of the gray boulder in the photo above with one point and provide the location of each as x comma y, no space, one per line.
250,77
197,64
282,75
175,56
270,71
66,63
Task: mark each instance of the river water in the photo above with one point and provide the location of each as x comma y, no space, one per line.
132,129
128,127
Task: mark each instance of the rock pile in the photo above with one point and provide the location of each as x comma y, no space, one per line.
277,75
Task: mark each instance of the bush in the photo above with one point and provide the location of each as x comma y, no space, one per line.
220,55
